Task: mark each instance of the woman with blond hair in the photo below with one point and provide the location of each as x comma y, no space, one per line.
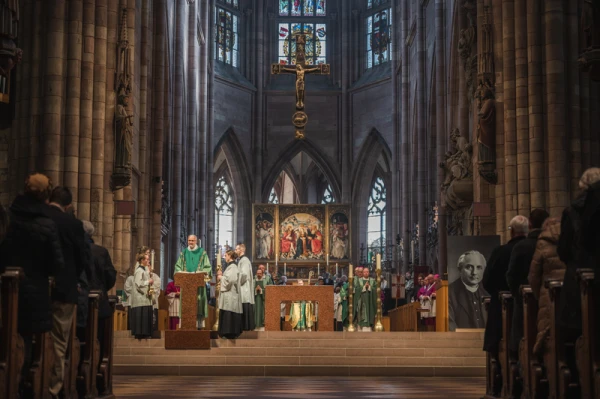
545,264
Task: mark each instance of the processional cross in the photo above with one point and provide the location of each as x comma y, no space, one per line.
300,118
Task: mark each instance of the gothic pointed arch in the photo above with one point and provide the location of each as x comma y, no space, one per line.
229,159
331,172
373,161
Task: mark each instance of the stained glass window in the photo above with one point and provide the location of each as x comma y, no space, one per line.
376,212
232,3
306,8
375,3
316,41
227,42
273,198
379,38
328,196
223,212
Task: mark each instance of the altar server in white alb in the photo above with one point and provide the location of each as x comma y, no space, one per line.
246,288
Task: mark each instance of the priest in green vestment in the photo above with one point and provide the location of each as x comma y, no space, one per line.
194,259
266,276
366,292
260,283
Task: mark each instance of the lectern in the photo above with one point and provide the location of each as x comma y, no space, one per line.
188,337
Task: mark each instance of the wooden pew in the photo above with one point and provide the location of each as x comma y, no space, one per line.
405,318
105,370
72,363
588,348
534,384
493,379
508,363
11,343
561,380
90,352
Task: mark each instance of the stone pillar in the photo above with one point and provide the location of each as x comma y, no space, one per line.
99,119
73,102
421,130
500,137
574,96
259,99
558,174
586,127
346,124
53,93
112,21
441,127
522,109
192,116
158,126
537,174
210,145
395,189
177,185
87,108
510,133
405,134
203,167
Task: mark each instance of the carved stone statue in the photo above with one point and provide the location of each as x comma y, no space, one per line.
123,70
123,144
486,133
457,188
587,23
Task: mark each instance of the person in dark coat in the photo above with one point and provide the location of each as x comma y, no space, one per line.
32,243
66,292
494,281
518,270
579,247
102,278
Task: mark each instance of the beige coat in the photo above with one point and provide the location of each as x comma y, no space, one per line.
545,264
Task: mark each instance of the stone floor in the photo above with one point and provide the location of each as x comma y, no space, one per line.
297,387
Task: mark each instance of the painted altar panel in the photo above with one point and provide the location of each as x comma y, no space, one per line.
301,233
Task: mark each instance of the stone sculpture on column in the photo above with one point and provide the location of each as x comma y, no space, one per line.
486,134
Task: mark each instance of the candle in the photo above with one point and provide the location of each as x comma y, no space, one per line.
276,258
336,269
218,256
152,259
327,259
378,257
318,269
200,244
284,269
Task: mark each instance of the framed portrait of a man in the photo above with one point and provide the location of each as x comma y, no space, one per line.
467,260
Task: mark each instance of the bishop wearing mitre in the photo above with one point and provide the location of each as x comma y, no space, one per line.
194,259
366,294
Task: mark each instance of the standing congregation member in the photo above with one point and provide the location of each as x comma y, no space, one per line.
246,288
141,302
194,259
77,256
259,300
230,301
518,270
31,228
366,301
494,281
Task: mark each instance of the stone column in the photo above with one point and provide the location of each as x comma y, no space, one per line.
346,124
259,99
158,126
192,116
395,189
177,185
73,102
99,119
586,128
53,94
421,130
406,227
500,144
510,133
112,22
203,167
522,110
574,96
87,108
558,174
441,127
210,145
537,174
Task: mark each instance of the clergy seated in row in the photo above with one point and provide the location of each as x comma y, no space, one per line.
365,301
194,259
302,314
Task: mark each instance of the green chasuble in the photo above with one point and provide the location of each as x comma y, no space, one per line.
196,261
367,302
356,289
301,315
344,297
259,302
